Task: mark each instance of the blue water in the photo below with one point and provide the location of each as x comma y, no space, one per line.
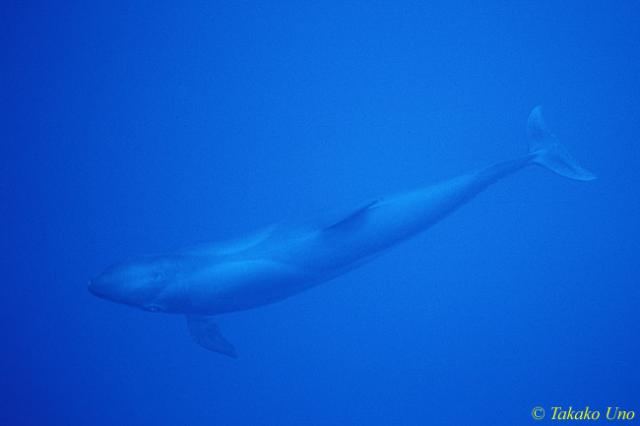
142,127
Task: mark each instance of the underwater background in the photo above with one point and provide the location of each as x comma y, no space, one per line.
142,127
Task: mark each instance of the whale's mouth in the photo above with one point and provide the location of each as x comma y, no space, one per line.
101,291
93,289
97,291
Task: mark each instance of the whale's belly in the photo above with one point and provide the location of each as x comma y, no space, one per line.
240,285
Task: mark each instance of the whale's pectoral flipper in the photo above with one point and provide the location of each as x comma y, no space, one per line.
207,334
352,219
549,153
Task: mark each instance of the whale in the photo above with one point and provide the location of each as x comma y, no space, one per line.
280,261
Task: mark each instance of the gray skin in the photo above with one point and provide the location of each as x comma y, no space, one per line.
280,262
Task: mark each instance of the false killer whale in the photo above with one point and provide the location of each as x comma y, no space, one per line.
278,262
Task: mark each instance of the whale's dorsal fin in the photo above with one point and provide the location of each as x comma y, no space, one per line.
207,334
352,219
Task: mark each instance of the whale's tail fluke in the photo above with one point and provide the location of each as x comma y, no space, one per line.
549,153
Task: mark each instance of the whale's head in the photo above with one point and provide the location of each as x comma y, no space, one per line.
150,283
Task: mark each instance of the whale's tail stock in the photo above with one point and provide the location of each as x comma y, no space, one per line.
549,153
